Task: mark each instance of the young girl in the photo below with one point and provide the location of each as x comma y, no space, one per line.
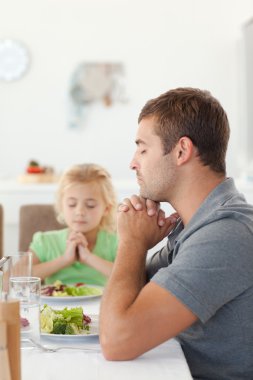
85,250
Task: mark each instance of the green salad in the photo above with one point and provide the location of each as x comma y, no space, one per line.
68,321
58,289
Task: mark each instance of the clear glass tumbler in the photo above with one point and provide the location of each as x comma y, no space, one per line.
16,265
27,291
20,264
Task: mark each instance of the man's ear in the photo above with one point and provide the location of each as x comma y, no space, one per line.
184,150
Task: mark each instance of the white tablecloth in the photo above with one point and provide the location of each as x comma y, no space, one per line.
166,361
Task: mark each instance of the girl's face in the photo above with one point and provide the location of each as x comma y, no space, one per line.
83,207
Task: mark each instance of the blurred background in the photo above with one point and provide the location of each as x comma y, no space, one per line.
160,45
87,67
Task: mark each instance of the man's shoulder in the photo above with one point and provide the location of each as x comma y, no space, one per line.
234,219
228,220
224,202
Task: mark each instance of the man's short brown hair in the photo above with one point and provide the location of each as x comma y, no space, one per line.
193,113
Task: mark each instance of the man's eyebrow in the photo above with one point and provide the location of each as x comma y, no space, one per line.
139,141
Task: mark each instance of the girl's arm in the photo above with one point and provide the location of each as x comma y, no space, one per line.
48,268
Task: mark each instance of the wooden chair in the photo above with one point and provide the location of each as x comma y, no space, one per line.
34,218
1,230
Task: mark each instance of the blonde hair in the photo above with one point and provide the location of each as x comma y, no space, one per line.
86,173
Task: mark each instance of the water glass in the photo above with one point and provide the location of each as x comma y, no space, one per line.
16,265
27,291
20,264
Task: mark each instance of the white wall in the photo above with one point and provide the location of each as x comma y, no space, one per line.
162,43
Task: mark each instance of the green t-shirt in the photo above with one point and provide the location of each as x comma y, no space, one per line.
52,244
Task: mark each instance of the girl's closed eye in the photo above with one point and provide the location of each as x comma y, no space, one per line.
72,204
91,204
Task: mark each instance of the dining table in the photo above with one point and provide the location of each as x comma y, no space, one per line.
83,358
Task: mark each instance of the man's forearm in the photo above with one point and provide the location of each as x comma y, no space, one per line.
126,281
127,278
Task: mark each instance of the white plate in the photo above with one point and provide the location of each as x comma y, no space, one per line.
63,299
93,331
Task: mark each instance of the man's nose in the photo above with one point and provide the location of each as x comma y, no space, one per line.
133,163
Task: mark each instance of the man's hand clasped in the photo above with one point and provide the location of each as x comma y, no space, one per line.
143,221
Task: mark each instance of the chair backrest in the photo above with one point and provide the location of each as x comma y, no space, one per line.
1,230
34,218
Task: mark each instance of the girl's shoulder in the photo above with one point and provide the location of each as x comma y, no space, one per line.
106,245
106,237
51,235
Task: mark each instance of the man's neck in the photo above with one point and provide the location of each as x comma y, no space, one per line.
193,191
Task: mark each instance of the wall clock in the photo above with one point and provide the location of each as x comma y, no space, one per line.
14,60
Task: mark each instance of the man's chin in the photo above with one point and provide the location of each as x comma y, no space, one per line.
143,193
146,195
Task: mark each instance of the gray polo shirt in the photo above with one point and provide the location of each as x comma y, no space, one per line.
208,266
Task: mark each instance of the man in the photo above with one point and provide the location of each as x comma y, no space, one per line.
201,283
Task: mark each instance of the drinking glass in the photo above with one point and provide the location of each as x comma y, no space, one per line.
27,291
16,265
20,264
